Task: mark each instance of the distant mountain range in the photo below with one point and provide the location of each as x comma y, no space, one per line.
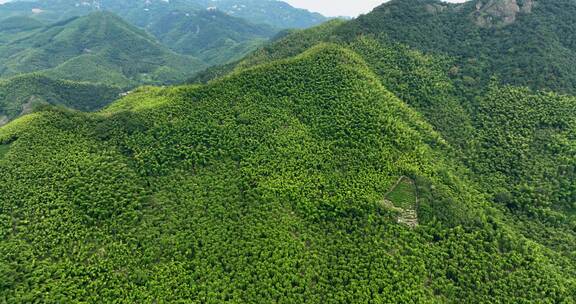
132,42
278,14
215,32
100,48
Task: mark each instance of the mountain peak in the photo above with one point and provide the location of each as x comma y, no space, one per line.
491,13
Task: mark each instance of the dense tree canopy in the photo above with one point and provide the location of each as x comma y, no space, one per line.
339,164
266,186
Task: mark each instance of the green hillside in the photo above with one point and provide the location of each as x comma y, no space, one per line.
98,48
186,27
21,94
259,187
19,23
380,160
211,36
17,27
523,42
519,144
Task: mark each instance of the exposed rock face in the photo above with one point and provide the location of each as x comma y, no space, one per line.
490,13
435,8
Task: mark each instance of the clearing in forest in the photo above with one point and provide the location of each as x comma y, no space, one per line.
403,198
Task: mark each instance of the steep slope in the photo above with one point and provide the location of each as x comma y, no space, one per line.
209,35
420,80
519,144
184,26
100,48
524,42
21,94
265,186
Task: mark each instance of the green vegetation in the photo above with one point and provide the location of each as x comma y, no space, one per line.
19,24
339,164
21,94
276,13
98,48
256,188
186,27
532,46
211,36
403,194
4,148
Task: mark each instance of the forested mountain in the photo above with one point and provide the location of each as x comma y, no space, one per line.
21,94
100,48
185,26
276,13
257,188
210,35
339,164
524,42
432,85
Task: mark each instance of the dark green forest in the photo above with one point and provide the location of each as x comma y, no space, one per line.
22,94
367,161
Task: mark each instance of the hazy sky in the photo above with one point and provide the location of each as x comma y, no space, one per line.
341,7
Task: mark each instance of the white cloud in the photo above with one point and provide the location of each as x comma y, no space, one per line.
341,7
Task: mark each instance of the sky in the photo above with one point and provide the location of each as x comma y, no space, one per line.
332,8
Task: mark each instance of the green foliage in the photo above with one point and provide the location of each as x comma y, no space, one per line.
4,148
21,94
525,143
537,49
420,80
403,194
256,188
99,48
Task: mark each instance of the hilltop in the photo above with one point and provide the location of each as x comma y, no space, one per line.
353,162
100,48
523,42
258,177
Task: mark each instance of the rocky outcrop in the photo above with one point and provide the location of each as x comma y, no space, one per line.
491,13
436,8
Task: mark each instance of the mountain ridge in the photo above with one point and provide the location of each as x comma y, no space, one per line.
354,162
99,47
